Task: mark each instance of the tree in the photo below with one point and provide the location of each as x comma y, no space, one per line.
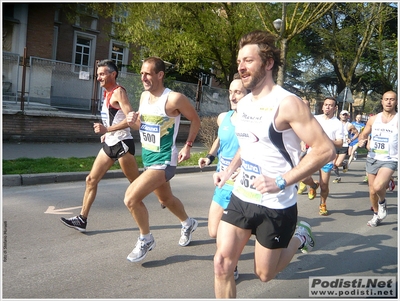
378,72
193,37
296,17
347,42
345,34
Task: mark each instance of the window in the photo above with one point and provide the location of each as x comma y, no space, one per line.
57,15
119,17
119,54
86,18
84,47
82,51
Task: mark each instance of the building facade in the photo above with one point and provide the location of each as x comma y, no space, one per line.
46,30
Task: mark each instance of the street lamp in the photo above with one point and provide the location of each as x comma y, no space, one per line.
277,24
280,28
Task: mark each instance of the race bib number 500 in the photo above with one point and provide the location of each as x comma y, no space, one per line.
150,136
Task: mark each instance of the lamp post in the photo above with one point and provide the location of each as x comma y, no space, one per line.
280,26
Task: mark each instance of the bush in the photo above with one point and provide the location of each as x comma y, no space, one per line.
208,130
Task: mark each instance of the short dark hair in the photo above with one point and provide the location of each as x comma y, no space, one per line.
110,65
331,98
266,46
157,63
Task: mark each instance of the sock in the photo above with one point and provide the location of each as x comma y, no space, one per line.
145,237
382,202
187,223
302,239
83,218
336,171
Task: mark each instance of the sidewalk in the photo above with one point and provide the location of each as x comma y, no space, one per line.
15,150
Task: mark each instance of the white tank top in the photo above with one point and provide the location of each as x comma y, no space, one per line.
265,150
384,144
332,127
111,116
345,134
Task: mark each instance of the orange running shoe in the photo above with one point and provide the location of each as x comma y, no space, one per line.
312,192
322,210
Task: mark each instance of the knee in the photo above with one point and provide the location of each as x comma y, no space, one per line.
264,276
91,181
212,232
129,202
324,187
220,266
377,187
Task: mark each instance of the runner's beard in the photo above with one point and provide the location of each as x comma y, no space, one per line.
256,77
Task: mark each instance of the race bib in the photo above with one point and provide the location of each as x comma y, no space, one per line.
150,137
246,190
380,145
223,164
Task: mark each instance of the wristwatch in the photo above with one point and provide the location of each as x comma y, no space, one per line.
280,182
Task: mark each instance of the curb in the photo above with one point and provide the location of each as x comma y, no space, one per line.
63,177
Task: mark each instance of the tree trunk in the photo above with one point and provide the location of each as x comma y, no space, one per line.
281,72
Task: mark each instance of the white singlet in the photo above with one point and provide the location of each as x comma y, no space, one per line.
265,150
332,127
384,144
110,116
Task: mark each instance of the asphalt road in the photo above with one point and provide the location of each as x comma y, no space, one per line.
43,259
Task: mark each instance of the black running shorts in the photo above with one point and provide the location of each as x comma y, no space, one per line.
273,228
120,149
342,150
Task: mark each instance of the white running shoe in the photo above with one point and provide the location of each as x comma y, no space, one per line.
382,212
186,233
304,229
141,249
375,221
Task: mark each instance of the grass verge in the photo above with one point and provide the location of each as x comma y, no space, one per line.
54,165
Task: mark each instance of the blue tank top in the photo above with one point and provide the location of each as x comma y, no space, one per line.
228,146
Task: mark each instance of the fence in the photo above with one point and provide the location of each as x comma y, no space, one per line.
63,85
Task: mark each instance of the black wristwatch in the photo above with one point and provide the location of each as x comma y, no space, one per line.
280,182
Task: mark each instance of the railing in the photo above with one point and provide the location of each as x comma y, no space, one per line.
62,85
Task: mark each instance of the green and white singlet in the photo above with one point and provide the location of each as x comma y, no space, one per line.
158,132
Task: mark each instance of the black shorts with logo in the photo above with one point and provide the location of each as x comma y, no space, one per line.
273,228
120,149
